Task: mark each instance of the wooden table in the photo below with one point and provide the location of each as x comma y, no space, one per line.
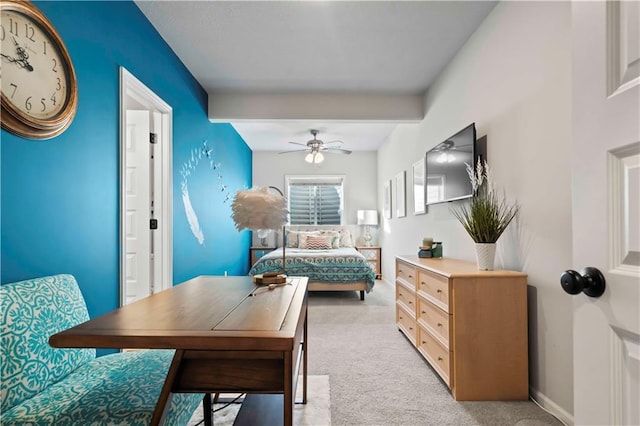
229,336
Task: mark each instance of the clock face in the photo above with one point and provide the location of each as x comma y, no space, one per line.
38,82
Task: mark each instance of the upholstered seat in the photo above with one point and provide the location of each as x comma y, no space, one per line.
42,385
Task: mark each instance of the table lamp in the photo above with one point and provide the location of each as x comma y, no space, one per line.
367,218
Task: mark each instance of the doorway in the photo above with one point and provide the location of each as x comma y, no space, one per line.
146,256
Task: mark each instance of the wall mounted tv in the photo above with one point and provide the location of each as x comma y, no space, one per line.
446,167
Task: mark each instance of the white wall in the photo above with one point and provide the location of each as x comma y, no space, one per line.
513,79
360,170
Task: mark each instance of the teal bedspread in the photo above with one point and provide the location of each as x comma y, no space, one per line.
341,265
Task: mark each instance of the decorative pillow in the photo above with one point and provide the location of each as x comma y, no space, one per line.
295,237
345,238
334,236
316,243
291,238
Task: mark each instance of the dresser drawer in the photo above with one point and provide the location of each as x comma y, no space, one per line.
406,272
434,319
435,286
406,296
407,323
438,356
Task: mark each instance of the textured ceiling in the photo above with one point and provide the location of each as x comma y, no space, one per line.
321,47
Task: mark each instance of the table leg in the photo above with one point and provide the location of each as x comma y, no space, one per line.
288,397
207,407
304,360
164,400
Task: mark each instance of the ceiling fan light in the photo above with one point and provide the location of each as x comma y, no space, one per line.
319,158
309,158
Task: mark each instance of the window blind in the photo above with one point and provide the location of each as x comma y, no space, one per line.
315,203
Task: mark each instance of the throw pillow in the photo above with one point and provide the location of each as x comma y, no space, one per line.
317,243
291,239
345,238
334,238
301,236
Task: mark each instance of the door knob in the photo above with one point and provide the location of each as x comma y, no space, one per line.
590,281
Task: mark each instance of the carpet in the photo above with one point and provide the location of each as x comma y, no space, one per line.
316,412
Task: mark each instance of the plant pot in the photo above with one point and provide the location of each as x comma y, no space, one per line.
485,256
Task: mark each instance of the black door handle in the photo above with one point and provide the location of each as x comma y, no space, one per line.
590,281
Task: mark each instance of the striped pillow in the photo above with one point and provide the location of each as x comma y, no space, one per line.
317,243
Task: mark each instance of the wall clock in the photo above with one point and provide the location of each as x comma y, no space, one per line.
39,88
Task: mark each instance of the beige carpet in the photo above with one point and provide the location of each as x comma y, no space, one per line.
316,412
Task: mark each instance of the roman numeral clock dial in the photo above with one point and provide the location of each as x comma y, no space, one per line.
39,88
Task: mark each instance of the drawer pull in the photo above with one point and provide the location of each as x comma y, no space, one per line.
439,291
410,328
423,283
410,276
439,324
424,343
424,312
439,358
410,302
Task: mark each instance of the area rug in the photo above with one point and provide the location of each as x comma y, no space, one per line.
316,412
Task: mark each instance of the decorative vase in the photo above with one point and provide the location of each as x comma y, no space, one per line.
485,256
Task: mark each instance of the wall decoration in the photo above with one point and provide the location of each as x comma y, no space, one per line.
401,205
188,167
419,203
39,91
387,199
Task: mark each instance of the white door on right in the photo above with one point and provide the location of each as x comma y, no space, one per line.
606,214
137,206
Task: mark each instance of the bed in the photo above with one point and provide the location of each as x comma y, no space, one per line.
337,266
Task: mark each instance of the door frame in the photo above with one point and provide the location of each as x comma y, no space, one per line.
134,92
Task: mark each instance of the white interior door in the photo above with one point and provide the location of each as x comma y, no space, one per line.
146,256
606,193
157,200
138,184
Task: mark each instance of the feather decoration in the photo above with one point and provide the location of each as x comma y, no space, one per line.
258,209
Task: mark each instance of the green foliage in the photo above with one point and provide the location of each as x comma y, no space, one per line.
487,214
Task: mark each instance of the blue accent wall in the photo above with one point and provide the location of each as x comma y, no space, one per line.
60,197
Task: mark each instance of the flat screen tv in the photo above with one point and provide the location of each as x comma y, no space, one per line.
446,167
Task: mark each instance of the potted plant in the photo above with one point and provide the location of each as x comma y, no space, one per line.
486,216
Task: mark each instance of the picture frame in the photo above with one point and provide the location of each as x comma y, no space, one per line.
401,204
387,199
419,187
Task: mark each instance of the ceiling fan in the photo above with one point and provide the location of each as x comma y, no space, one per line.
315,148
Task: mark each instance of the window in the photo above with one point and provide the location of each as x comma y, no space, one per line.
315,200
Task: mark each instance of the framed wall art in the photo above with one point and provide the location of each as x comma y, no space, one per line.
419,203
387,199
401,204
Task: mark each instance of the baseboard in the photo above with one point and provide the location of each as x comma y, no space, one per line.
552,407
385,281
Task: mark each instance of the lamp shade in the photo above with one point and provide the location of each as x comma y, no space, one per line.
367,217
258,209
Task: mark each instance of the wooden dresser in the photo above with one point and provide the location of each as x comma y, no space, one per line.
470,325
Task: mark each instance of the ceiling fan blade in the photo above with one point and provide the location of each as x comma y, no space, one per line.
293,150
336,150
336,141
298,143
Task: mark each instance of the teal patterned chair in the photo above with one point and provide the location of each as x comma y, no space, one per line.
42,385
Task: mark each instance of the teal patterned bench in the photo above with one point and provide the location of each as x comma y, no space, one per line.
42,385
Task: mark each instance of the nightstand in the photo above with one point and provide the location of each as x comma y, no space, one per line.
374,257
256,253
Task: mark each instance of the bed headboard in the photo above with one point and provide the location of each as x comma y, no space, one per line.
276,236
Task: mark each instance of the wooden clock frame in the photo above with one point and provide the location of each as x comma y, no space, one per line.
21,124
